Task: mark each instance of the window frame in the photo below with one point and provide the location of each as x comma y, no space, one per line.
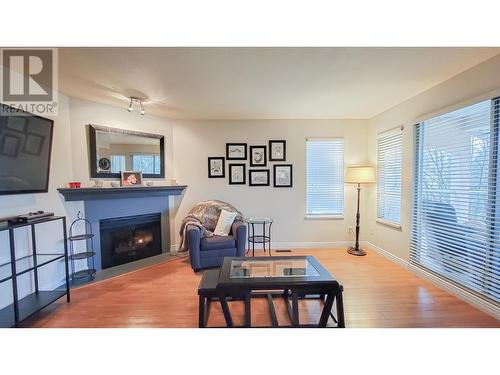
309,216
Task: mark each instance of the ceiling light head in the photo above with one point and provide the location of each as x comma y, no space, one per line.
134,100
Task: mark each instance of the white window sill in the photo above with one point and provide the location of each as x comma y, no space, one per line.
389,223
324,217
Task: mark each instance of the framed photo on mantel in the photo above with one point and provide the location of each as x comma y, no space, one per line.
131,178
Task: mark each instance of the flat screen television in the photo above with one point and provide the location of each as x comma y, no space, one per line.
25,146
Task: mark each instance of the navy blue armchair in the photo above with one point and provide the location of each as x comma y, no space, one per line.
208,252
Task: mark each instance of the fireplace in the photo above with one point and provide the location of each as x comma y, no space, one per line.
127,239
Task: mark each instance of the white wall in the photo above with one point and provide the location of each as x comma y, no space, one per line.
475,84
195,141
84,112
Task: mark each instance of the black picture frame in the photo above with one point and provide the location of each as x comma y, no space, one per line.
271,142
229,145
231,166
275,174
223,164
251,171
264,156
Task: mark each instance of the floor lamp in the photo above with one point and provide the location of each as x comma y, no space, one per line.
359,175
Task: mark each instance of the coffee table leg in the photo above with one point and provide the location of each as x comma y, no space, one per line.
295,309
201,312
225,311
248,316
340,309
326,309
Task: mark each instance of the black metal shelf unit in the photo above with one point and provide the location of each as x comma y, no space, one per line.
20,309
80,276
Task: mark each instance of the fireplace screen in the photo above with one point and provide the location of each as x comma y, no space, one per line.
127,239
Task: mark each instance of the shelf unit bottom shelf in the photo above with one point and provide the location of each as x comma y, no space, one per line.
29,305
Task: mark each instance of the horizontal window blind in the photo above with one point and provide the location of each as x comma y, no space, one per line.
325,177
456,218
146,163
118,163
389,164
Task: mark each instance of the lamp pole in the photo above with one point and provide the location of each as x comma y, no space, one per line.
356,250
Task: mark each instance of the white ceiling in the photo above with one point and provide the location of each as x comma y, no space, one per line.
261,83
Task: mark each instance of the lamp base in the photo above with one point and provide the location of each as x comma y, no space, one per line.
358,252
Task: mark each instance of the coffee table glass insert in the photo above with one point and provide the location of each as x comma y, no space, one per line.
259,268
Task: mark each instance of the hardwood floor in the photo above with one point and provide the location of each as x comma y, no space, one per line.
377,293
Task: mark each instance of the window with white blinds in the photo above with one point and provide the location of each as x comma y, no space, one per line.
389,164
324,177
456,218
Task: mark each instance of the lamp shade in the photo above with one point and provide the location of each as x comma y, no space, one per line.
359,175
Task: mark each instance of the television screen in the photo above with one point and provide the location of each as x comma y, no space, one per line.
25,145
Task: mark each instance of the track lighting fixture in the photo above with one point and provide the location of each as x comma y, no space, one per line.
134,100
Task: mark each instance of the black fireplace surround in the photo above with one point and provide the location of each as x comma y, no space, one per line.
127,239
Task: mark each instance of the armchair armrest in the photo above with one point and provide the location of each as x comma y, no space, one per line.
193,245
239,231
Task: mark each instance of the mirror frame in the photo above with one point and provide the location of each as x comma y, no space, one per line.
93,154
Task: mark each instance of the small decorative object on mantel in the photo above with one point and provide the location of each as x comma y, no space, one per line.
74,185
115,184
173,182
150,183
98,183
131,178
277,150
258,177
282,175
216,167
237,174
104,164
258,156
236,151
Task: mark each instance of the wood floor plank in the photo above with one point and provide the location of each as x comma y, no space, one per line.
377,293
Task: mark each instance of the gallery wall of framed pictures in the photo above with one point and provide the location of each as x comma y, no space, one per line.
258,157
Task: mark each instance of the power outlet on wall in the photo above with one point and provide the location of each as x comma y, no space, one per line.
350,229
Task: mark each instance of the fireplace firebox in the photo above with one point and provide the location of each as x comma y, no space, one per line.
127,239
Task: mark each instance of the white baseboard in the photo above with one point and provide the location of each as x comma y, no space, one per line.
472,299
309,245
293,245
400,261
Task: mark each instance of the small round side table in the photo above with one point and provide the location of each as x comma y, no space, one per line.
265,235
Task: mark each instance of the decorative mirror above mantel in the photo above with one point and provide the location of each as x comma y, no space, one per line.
114,150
